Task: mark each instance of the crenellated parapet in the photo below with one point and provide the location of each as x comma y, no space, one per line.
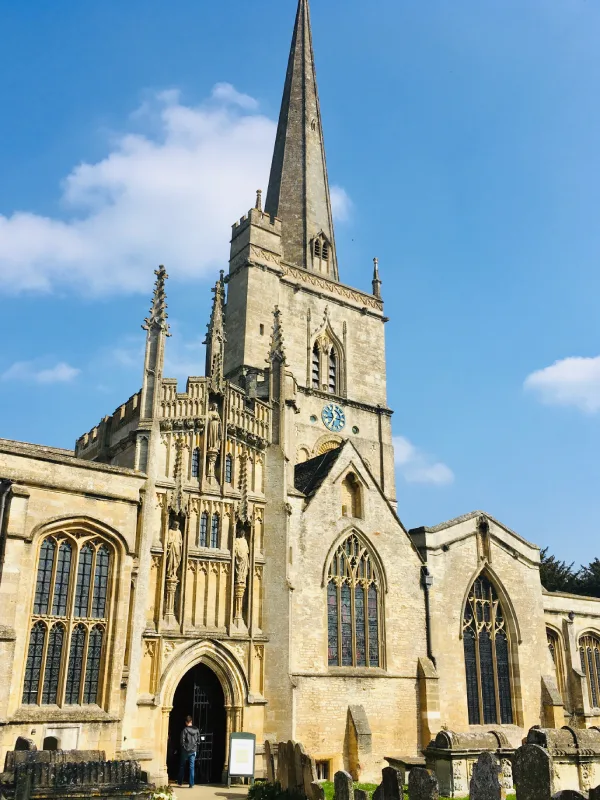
112,441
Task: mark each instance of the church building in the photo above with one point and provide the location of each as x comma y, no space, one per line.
233,549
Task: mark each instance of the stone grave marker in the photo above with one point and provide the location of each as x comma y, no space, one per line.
533,773
595,793
343,786
485,783
422,785
392,781
361,794
568,794
270,762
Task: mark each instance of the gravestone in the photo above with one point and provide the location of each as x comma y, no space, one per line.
270,762
485,783
533,773
317,792
392,782
595,793
343,786
299,758
361,794
378,793
568,794
282,765
291,759
422,785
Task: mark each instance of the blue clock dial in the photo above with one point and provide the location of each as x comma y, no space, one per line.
333,417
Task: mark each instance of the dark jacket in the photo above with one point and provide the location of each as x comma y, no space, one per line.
190,736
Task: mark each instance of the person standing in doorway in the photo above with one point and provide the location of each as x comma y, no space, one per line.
190,737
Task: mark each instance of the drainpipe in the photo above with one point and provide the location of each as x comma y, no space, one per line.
427,583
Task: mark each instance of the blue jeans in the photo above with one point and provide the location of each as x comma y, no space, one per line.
191,757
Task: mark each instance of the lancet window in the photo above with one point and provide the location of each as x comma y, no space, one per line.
203,540
353,607
214,531
316,367
228,468
71,609
351,496
556,653
195,462
589,652
325,366
321,252
487,657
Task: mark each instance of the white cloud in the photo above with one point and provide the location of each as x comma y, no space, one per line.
341,204
166,196
226,93
33,372
415,466
569,382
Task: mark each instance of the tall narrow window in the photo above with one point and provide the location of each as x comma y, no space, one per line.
317,248
204,529
487,660
353,607
556,653
316,367
333,371
195,462
214,531
228,468
351,496
589,650
73,595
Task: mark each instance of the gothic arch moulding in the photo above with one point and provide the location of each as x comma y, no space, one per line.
503,596
215,656
326,443
366,543
80,525
324,345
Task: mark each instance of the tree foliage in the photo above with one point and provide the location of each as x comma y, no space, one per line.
558,576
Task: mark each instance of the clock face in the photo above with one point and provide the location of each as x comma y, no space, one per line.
333,417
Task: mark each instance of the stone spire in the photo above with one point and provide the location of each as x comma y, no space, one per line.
215,338
277,350
376,279
158,311
298,190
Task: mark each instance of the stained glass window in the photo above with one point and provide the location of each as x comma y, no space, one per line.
71,586
33,668
203,542
61,582
195,462
84,574
44,577
353,611
228,468
487,659
214,531
75,669
316,367
53,662
92,667
589,649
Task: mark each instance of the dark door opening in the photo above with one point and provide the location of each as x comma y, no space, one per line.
200,695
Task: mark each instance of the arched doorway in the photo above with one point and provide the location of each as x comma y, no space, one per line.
200,695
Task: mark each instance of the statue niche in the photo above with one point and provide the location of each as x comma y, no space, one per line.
241,552
173,556
213,440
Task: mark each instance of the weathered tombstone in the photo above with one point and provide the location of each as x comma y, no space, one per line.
317,792
343,786
485,783
23,743
282,765
392,782
422,785
361,794
533,773
270,762
299,756
378,793
568,794
291,759
595,793
309,774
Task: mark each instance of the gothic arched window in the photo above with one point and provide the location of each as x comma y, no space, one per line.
353,607
228,468
316,367
589,652
556,653
351,496
333,372
487,660
66,647
203,542
195,462
214,531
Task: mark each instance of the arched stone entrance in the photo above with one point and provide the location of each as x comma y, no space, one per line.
208,674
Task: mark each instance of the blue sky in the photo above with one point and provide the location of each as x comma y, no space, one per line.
463,140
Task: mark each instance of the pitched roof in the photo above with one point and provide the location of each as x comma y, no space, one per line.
309,475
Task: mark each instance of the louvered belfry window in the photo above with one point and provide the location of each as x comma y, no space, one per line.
69,622
487,657
353,607
316,367
589,652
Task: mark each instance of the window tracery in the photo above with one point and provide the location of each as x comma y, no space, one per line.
556,653
70,617
589,652
487,660
353,607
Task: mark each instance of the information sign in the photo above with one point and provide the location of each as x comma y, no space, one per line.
242,750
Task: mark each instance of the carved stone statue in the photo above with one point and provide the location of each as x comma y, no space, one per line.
242,559
174,549
214,429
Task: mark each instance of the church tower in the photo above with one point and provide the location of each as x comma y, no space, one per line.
284,257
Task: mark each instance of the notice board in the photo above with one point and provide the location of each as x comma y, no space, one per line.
242,750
